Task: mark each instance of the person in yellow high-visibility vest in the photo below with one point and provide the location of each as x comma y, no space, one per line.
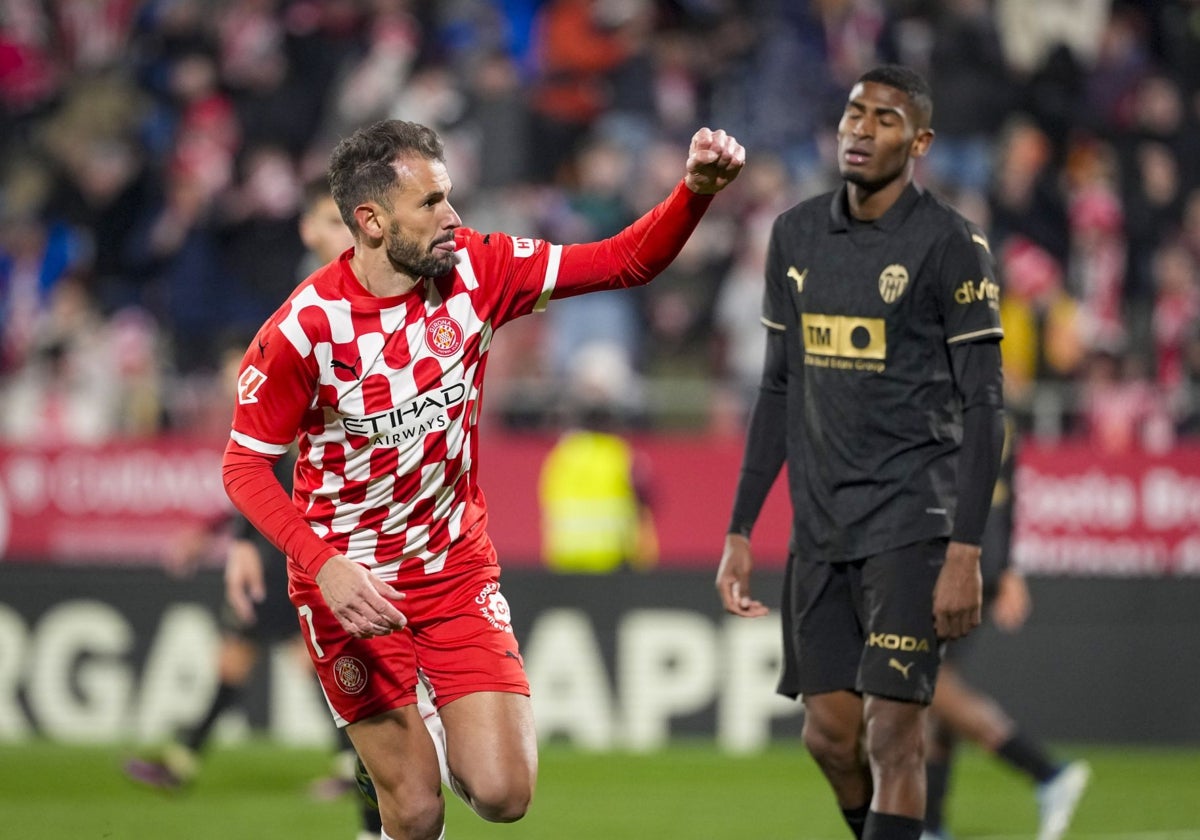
592,490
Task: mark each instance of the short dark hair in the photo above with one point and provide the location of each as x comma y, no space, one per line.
360,168
909,82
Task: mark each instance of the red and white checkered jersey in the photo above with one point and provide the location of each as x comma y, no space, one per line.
385,393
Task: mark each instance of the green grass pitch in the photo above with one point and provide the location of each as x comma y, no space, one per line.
256,791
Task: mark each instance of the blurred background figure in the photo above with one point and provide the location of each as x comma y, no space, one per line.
257,615
961,712
593,488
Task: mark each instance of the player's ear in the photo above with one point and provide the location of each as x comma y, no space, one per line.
921,142
369,220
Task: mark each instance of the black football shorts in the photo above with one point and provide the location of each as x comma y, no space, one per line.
864,625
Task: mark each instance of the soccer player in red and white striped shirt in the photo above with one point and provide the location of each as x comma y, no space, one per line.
375,363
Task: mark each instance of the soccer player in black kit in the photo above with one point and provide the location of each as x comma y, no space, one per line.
881,390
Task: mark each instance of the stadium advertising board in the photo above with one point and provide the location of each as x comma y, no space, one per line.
1077,513
122,503
96,656
1129,515
624,661
125,504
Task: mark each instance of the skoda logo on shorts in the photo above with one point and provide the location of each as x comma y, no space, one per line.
350,673
444,335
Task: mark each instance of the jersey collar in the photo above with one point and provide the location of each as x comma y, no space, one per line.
839,214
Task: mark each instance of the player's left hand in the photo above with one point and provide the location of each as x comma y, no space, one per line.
714,160
958,593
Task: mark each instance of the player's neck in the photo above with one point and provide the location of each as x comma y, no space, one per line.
380,278
867,205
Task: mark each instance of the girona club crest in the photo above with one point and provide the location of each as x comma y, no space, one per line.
444,336
350,673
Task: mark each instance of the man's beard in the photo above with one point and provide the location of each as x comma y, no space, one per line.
410,257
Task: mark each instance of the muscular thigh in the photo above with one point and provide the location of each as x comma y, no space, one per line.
490,735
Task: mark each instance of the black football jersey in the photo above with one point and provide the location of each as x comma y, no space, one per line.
869,311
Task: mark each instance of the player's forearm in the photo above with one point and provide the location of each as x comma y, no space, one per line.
978,375
978,466
255,491
638,253
766,440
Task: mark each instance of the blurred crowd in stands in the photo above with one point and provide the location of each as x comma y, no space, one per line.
154,155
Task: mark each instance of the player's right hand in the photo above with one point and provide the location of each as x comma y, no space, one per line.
361,602
714,160
733,578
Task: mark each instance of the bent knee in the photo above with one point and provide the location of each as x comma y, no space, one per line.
501,803
832,747
413,820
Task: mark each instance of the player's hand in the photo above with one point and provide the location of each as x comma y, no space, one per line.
361,602
244,585
733,578
958,593
714,160
1013,604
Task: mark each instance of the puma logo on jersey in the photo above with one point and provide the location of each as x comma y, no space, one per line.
903,669
352,367
798,276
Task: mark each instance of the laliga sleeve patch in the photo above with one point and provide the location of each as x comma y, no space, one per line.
248,384
350,674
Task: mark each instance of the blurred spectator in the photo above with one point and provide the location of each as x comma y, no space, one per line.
173,251
85,380
974,93
594,208
35,256
575,49
1121,409
1097,260
1032,29
593,486
739,337
259,237
1176,313
1025,199
154,149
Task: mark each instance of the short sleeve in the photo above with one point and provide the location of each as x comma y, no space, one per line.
275,389
968,291
775,292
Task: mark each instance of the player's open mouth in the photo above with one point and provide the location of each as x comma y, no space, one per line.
856,157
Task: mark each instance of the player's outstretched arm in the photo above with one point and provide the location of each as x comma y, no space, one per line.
733,578
714,160
361,602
